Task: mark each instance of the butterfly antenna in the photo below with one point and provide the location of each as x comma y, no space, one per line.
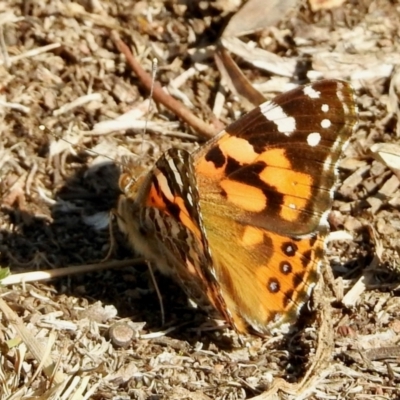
43,128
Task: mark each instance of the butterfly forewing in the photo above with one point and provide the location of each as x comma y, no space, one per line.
284,154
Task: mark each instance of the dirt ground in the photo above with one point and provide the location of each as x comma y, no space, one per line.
64,87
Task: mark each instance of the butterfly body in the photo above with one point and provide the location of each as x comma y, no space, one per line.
240,223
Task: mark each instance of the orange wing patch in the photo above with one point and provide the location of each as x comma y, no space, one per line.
252,237
247,197
223,148
295,186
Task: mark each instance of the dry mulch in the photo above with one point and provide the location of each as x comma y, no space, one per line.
98,335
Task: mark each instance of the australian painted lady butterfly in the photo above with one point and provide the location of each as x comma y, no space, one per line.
240,223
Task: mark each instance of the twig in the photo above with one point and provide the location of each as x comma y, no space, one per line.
235,78
205,130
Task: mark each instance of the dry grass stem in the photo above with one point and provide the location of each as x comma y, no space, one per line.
67,271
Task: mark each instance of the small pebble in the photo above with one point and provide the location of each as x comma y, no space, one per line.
121,334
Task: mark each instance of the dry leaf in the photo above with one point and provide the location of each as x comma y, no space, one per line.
261,58
256,15
325,4
388,154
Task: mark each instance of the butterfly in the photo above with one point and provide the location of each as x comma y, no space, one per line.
241,222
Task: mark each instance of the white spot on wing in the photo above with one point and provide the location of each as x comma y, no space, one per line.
313,139
325,123
177,174
311,92
190,199
275,114
325,108
164,185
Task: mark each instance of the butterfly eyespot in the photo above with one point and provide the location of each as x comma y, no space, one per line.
244,218
285,268
289,249
273,285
